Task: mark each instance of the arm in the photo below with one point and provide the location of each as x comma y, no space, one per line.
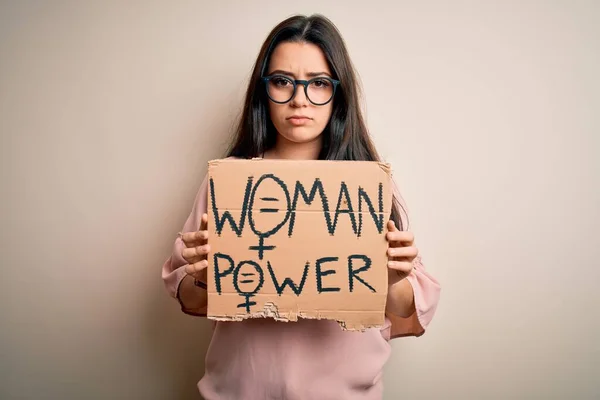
192,297
401,255
401,299
180,285
413,293
425,292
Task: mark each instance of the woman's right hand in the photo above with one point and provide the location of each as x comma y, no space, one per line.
196,251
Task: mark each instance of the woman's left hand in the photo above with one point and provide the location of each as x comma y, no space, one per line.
401,253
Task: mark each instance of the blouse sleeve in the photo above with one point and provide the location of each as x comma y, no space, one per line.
173,270
426,292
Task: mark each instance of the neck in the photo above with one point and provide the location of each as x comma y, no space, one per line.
286,150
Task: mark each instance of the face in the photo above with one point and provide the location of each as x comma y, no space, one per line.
299,120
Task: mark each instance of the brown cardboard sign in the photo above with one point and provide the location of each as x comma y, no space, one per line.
298,239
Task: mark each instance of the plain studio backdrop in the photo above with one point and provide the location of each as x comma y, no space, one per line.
489,112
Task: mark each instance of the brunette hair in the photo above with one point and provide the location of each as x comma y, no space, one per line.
346,136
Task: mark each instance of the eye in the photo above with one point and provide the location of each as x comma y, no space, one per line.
280,81
321,83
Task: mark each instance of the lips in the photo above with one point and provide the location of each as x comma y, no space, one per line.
299,120
298,117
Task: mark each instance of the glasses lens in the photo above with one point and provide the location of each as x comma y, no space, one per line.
280,89
320,91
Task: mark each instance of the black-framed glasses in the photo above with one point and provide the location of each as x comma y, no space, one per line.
319,91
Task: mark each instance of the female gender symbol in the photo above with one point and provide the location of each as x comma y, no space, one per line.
247,273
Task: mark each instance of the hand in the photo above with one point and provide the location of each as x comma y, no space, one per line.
401,253
196,251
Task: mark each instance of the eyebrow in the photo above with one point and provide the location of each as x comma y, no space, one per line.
309,74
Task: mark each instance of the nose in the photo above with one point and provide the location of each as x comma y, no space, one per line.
299,99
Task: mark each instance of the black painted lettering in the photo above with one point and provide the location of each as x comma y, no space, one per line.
220,219
285,215
221,273
321,274
288,281
308,198
344,194
259,277
377,217
261,248
259,280
353,273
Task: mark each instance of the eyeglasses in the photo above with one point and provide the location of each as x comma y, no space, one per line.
319,91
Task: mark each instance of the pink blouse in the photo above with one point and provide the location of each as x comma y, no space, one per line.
261,359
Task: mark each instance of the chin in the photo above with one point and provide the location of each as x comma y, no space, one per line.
301,134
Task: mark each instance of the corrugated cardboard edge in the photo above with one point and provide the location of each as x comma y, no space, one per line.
214,163
270,311
386,167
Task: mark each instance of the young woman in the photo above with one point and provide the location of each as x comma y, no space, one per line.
302,103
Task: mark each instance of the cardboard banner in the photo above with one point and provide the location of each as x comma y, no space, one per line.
298,239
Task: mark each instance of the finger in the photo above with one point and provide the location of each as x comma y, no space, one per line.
400,237
391,234
391,225
195,268
195,254
204,222
193,239
404,267
403,252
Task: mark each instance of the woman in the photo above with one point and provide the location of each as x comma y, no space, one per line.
302,103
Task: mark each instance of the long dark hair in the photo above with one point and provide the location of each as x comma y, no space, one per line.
346,136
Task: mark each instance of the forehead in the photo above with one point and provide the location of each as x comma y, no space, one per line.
298,58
